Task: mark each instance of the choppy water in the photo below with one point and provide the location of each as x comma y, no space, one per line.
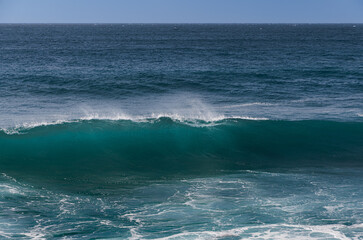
181,131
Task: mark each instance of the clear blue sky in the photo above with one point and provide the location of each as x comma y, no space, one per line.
181,11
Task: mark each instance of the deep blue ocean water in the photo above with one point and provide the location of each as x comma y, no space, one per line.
131,131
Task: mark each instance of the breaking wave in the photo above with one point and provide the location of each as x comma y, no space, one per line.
168,146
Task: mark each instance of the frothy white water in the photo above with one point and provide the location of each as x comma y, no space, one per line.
216,201
198,117
272,231
29,125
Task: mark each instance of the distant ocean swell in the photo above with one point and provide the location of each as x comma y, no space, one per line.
167,146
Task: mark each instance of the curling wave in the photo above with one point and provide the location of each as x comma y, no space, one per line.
167,146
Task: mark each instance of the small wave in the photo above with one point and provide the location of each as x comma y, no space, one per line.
249,104
248,118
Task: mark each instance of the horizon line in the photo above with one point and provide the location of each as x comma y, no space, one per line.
150,23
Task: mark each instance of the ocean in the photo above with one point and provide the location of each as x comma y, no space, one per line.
181,131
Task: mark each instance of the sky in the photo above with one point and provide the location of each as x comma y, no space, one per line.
181,11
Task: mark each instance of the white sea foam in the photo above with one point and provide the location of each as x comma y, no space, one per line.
9,189
5,235
35,234
271,231
134,234
332,209
29,125
14,187
193,120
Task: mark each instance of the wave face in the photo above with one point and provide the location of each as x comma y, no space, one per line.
167,146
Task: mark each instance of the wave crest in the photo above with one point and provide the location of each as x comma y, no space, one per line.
195,121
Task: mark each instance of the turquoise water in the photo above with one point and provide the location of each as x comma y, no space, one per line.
181,131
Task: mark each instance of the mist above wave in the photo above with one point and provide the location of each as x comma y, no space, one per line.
184,107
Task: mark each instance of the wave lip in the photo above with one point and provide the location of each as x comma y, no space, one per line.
195,121
208,118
